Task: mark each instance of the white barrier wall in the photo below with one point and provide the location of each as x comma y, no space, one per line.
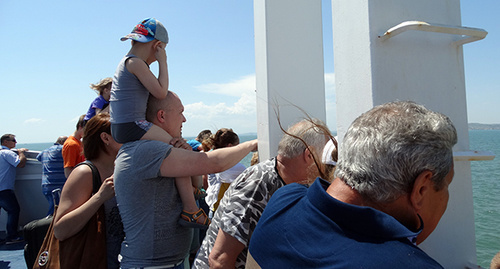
28,189
426,67
289,67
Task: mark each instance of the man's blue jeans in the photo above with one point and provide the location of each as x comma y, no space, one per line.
49,195
8,202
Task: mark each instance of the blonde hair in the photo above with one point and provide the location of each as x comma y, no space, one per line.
101,85
255,158
495,262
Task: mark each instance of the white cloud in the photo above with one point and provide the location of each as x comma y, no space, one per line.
330,81
34,121
237,112
234,88
243,107
330,101
330,91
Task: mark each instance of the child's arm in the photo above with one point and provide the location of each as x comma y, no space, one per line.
197,181
161,58
105,110
158,87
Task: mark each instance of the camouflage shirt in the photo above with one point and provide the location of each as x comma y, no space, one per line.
240,209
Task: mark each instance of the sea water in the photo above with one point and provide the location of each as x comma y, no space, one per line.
485,185
486,188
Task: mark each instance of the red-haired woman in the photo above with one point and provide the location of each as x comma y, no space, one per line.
77,204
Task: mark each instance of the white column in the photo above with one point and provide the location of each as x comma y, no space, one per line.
289,67
425,67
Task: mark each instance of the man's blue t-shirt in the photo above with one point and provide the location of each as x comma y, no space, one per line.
52,168
307,228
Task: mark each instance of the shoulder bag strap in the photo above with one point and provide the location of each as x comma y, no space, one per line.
96,177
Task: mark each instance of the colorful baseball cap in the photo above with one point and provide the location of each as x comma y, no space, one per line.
147,30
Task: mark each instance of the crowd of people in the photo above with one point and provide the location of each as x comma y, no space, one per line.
306,207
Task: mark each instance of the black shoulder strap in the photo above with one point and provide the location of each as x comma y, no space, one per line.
96,178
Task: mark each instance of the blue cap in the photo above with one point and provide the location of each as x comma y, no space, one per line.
148,30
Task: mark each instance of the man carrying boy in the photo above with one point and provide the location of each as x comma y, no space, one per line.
133,83
146,193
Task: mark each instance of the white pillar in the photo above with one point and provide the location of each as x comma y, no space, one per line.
289,67
425,67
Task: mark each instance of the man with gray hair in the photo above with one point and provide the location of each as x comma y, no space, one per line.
390,191
298,160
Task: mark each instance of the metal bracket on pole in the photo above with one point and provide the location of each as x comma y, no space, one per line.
466,34
473,155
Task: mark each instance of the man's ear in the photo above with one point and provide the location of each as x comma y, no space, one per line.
160,116
308,155
422,185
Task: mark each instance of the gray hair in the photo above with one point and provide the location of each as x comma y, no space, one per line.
386,148
312,132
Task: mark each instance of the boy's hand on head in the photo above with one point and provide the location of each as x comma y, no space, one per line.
160,52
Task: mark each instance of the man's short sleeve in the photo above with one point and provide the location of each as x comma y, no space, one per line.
39,157
11,157
143,157
99,102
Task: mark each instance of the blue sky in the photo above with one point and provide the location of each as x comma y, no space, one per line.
53,50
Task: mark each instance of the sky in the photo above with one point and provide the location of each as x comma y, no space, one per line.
53,50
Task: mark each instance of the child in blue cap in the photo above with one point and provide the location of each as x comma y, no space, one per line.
132,84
